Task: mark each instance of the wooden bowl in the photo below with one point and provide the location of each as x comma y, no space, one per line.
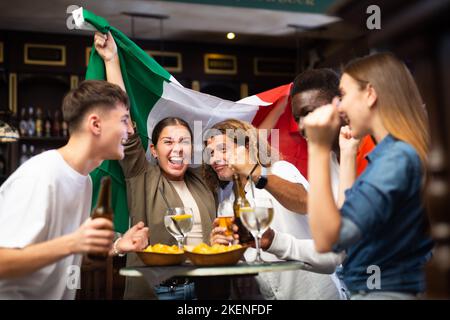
215,259
161,259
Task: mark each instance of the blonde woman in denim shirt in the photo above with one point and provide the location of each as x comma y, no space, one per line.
382,223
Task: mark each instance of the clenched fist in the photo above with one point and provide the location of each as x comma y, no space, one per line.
105,46
322,125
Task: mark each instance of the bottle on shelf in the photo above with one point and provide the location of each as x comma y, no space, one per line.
39,123
56,127
2,162
64,129
31,151
48,125
24,153
31,122
23,124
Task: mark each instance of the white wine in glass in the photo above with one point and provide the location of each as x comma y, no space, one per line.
257,221
179,222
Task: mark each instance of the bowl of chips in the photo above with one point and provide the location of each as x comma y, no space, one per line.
161,255
216,255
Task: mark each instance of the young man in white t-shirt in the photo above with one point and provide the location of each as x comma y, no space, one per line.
45,204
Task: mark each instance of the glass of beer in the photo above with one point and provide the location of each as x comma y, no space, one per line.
225,214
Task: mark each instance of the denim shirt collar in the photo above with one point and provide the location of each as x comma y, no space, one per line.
381,147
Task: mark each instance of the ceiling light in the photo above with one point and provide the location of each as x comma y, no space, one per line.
231,36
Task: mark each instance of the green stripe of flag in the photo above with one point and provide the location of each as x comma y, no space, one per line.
143,78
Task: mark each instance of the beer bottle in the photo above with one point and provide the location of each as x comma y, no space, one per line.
240,203
23,124
39,122
103,209
56,127
48,125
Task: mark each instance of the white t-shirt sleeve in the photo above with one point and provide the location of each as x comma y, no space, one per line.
289,172
24,211
287,247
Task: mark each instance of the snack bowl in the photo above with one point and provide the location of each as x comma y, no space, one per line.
209,259
161,255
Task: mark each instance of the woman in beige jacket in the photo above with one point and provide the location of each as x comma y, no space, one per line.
150,185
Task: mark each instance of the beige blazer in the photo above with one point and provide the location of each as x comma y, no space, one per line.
146,203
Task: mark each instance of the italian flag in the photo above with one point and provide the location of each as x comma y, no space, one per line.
155,94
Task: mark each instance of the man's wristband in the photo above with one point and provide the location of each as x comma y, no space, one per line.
262,179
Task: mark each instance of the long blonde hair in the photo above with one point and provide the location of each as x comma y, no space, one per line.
242,133
398,99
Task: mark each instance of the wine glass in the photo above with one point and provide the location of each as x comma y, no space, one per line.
225,214
178,222
257,221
